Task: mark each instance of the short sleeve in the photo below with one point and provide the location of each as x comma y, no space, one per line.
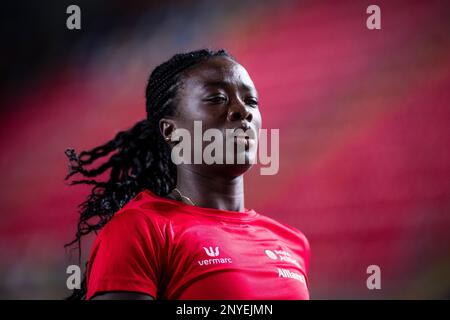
127,255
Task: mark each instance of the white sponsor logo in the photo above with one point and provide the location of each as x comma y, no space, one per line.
285,273
210,252
282,256
213,252
271,254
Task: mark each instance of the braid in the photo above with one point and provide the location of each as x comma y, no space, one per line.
140,157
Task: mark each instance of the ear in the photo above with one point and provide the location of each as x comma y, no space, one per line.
167,127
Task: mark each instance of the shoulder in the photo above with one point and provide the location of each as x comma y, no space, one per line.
292,236
141,208
300,235
132,234
287,231
135,220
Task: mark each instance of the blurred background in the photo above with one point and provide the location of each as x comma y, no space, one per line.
364,121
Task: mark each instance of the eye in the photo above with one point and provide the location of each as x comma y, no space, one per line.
217,99
252,102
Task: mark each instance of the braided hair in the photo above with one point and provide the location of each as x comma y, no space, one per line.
142,158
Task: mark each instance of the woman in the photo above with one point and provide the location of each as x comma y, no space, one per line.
182,231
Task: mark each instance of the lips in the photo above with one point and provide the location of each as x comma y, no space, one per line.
244,131
243,137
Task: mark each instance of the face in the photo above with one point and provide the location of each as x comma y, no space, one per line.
220,93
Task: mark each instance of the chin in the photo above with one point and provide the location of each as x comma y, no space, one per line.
236,170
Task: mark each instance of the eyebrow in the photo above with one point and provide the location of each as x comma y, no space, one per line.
221,83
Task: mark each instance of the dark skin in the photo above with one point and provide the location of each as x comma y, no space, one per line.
220,93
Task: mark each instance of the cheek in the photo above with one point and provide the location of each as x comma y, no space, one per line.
191,107
257,119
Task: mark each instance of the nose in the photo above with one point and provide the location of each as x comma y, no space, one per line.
238,112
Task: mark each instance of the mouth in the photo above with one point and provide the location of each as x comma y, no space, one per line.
244,135
243,140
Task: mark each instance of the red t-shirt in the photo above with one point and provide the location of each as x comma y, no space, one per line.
171,250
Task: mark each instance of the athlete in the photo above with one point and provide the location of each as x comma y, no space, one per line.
182,231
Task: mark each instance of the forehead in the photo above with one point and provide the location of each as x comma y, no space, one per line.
219,71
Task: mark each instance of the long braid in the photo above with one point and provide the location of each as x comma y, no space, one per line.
141,158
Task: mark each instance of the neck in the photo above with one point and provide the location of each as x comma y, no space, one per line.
211,191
